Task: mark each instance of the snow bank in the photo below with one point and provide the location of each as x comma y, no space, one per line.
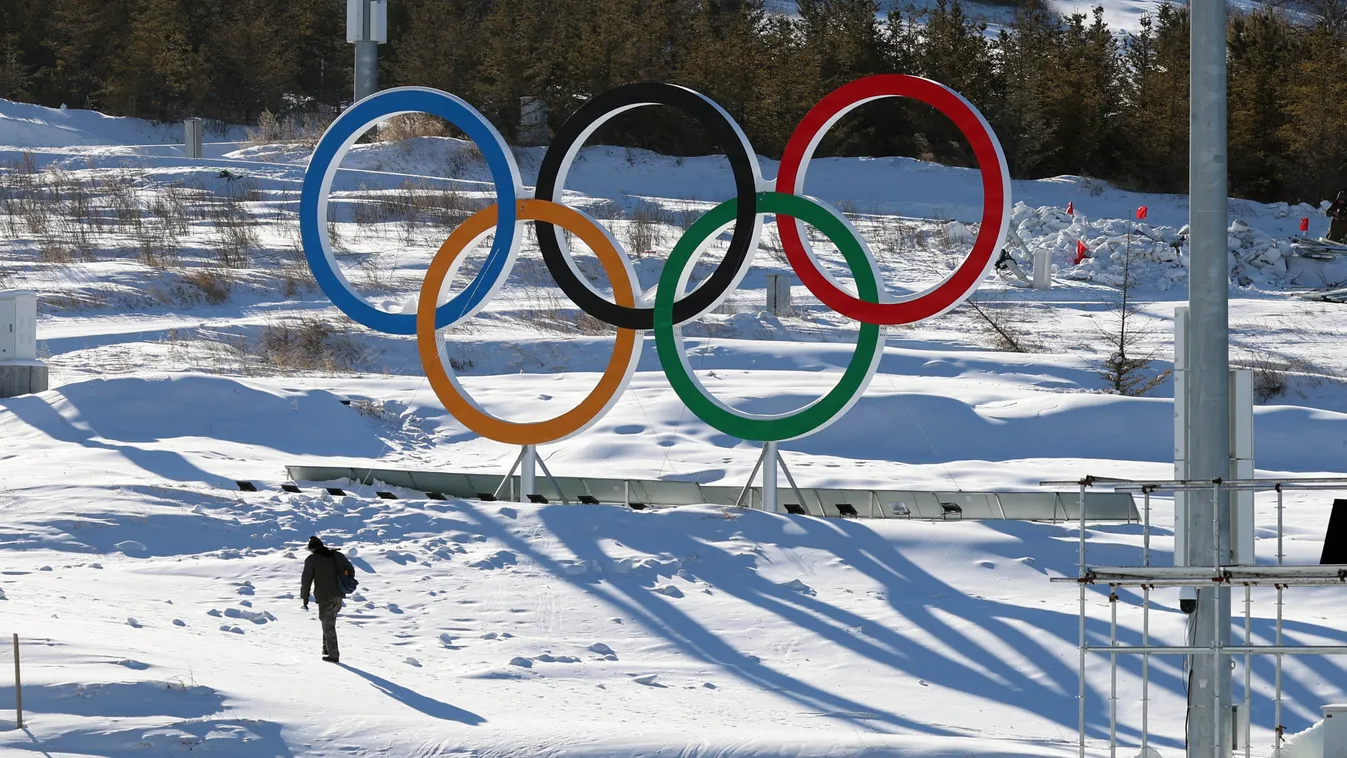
1158,253
27,125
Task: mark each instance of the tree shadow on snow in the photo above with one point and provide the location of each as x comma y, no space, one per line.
1040,678
416,701
660,618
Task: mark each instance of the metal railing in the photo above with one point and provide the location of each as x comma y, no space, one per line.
1147,577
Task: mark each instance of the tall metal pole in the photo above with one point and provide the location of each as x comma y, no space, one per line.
1208,517
366,55
528,460
770,458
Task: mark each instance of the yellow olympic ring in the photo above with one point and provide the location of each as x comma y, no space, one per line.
626,348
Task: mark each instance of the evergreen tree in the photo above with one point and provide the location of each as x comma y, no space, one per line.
1260,60
159,74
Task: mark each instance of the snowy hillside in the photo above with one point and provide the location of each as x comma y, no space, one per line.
189,348
1122,16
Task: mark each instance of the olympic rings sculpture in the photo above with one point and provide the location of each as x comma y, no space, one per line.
629,311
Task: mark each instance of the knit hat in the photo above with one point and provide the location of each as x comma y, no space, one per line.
315,543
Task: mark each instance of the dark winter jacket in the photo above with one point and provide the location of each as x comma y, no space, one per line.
320,573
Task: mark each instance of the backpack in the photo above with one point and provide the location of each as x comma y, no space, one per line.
346,581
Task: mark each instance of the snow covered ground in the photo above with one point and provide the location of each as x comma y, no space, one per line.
158,603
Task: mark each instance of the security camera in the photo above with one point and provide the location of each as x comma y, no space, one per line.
1188,599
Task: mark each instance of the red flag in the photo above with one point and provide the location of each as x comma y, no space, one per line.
1304,225
1070,209
1141,213
1082,252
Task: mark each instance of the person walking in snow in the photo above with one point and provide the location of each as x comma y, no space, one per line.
1337,230
323,570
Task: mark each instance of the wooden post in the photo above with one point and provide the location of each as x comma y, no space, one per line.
18,687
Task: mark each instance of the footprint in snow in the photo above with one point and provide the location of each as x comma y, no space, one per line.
488,636
670,590
649,680
131,622
134,665
393,608
179,622
601,649
521,662
233,629
410,661
799,586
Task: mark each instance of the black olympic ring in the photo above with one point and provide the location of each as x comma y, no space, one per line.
743,164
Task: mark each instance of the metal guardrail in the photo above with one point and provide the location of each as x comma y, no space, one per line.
818,501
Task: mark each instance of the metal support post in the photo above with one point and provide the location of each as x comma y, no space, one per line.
1145,671
366,28
1277,699
1146,530
191,138
1080,692
366,69
528,461
508,480
748,486
548,473
769,467
1113,673
1280,506
18,687
1208,433
1248,669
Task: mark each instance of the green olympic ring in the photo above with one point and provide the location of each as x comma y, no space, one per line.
673,283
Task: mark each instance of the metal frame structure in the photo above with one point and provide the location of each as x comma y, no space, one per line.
1147,577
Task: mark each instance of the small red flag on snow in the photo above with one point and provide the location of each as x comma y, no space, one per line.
1082,252
1070,209
1141,213
1304,224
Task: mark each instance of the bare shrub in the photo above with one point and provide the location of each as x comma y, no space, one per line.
644,229
233,227
295,274
412,125
1002,321
551,311
213,284
465,156
1273,375
307,344
301,128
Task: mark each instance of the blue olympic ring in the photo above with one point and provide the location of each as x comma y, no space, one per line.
318,182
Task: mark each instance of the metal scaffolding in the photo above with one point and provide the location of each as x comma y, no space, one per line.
1280,577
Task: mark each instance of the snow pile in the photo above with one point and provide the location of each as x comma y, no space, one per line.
1306,744
26,125
1158,254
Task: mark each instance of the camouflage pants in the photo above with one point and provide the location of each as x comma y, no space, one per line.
1337,230
327,614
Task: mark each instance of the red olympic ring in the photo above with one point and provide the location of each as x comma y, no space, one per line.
995,197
